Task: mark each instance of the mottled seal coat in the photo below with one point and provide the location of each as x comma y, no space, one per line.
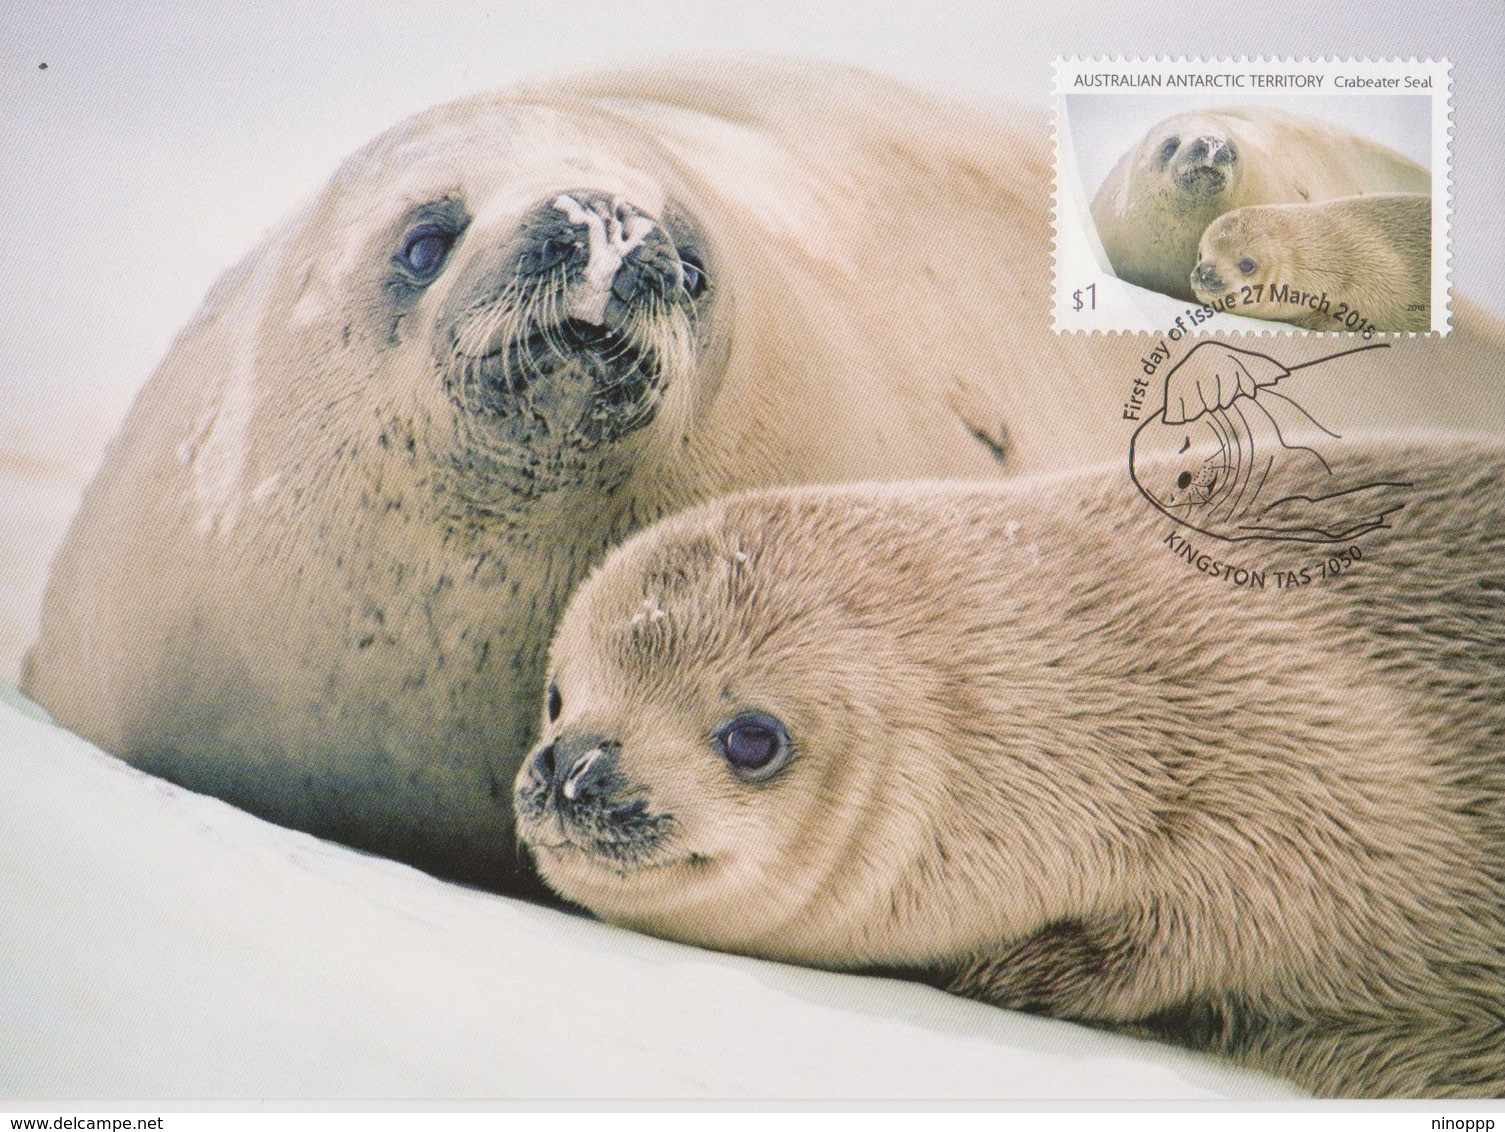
1002,737
1368,255
319,569
1190,169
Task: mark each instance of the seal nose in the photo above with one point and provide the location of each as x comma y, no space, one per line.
576,768
601,254
1206,277
1212,151
601,250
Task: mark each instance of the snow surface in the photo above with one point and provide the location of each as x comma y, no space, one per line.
159,943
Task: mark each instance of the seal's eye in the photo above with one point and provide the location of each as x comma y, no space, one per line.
692,266
1168,150
425,249
556,701
1247,265
754,743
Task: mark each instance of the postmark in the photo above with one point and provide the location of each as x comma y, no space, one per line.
1261,196
1257,489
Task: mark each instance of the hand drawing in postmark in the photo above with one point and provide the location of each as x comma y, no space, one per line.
1231,453
1261,196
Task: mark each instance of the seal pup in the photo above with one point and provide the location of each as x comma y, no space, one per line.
1368,259
1190,169
991,735
319,568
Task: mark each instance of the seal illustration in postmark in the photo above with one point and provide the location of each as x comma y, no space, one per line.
1233,454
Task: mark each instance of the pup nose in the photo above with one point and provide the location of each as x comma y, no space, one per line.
576,767
1206,277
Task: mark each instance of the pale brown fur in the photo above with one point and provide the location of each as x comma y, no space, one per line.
1041,760
1150,227
309,580
1371,255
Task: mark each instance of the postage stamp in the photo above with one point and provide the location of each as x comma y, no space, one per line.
1261,195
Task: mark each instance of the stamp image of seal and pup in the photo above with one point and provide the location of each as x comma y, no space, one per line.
1208,202
981,734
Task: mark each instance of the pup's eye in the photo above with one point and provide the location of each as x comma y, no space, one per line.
1247,265
692,267
754,744
556,702
424,251
1168,150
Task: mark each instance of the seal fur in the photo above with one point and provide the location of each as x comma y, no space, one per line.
1190,169
1371,255
1029,755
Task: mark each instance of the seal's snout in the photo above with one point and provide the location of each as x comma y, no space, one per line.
568,335
1212,151
1206,278
572,797
611,254
1204,167
576,769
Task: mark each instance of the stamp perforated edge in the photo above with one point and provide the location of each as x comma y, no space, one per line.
1156,319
